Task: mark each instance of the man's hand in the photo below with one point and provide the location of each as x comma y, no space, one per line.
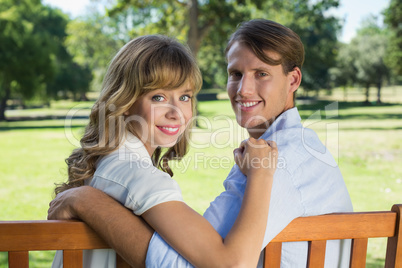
62,207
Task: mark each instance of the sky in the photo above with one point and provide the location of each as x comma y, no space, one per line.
353,11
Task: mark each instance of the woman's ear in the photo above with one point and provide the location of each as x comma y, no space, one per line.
295,77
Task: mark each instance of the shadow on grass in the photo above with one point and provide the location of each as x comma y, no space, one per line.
342,105
320,106
27,127
375,263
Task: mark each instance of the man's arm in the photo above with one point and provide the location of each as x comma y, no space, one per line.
126,233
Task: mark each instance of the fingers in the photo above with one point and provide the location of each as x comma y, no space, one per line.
60,207
254,154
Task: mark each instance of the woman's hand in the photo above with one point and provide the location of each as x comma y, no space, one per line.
256,156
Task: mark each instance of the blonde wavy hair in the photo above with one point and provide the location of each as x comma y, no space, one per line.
144,64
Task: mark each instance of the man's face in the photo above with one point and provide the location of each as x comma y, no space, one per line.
258,92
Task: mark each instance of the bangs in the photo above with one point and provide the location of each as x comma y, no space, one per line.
169,68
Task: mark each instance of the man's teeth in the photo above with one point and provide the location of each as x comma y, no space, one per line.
170,129
248,104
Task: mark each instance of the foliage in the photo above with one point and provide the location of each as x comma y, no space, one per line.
94,40
344,73
362,61
31,51
319,35
393,16
207,25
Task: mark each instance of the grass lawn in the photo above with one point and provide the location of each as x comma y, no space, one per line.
365,140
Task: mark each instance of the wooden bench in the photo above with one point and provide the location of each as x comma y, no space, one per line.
20,237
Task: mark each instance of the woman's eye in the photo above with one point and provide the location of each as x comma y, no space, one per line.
158,98
185,98
263,74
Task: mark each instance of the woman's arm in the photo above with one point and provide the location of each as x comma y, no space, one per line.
188,232
194,237
128,234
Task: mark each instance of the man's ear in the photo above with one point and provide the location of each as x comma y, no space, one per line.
295,77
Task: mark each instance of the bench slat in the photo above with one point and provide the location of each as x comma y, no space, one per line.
272,258
72,258
359,248
339,226
394,245
18,259
48,235
316,254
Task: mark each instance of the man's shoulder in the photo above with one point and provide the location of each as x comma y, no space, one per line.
296,146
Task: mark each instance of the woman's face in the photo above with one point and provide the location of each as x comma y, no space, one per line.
159,117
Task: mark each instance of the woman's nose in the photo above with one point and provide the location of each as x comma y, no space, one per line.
173,112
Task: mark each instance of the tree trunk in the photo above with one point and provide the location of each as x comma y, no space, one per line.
345,93
196,32
379,92
3,102
367,93
193,36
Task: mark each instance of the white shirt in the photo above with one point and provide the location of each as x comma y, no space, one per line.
129,176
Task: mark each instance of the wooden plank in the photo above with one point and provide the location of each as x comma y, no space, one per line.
72,258
316,254
272,258
48,235
18,259
339,226
358,253
394,245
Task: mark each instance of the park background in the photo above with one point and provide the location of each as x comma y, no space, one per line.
52,64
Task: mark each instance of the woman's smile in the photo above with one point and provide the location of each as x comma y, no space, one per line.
169,129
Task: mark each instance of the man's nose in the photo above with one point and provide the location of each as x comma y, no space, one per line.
246,86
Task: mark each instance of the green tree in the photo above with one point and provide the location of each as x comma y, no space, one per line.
344,72
23,50
94,40
393,17
318,32
369,49
207,25
31,37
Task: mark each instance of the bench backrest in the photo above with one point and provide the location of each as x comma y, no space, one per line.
20,237
358,226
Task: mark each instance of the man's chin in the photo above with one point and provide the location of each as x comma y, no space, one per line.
253,124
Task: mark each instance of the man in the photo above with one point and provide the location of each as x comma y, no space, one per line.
264,72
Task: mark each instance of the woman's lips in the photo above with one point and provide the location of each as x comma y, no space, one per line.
169,130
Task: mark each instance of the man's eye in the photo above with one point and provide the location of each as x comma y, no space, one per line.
235,75
263,74
158,98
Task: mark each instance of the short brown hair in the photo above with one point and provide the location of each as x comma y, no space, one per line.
262,35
